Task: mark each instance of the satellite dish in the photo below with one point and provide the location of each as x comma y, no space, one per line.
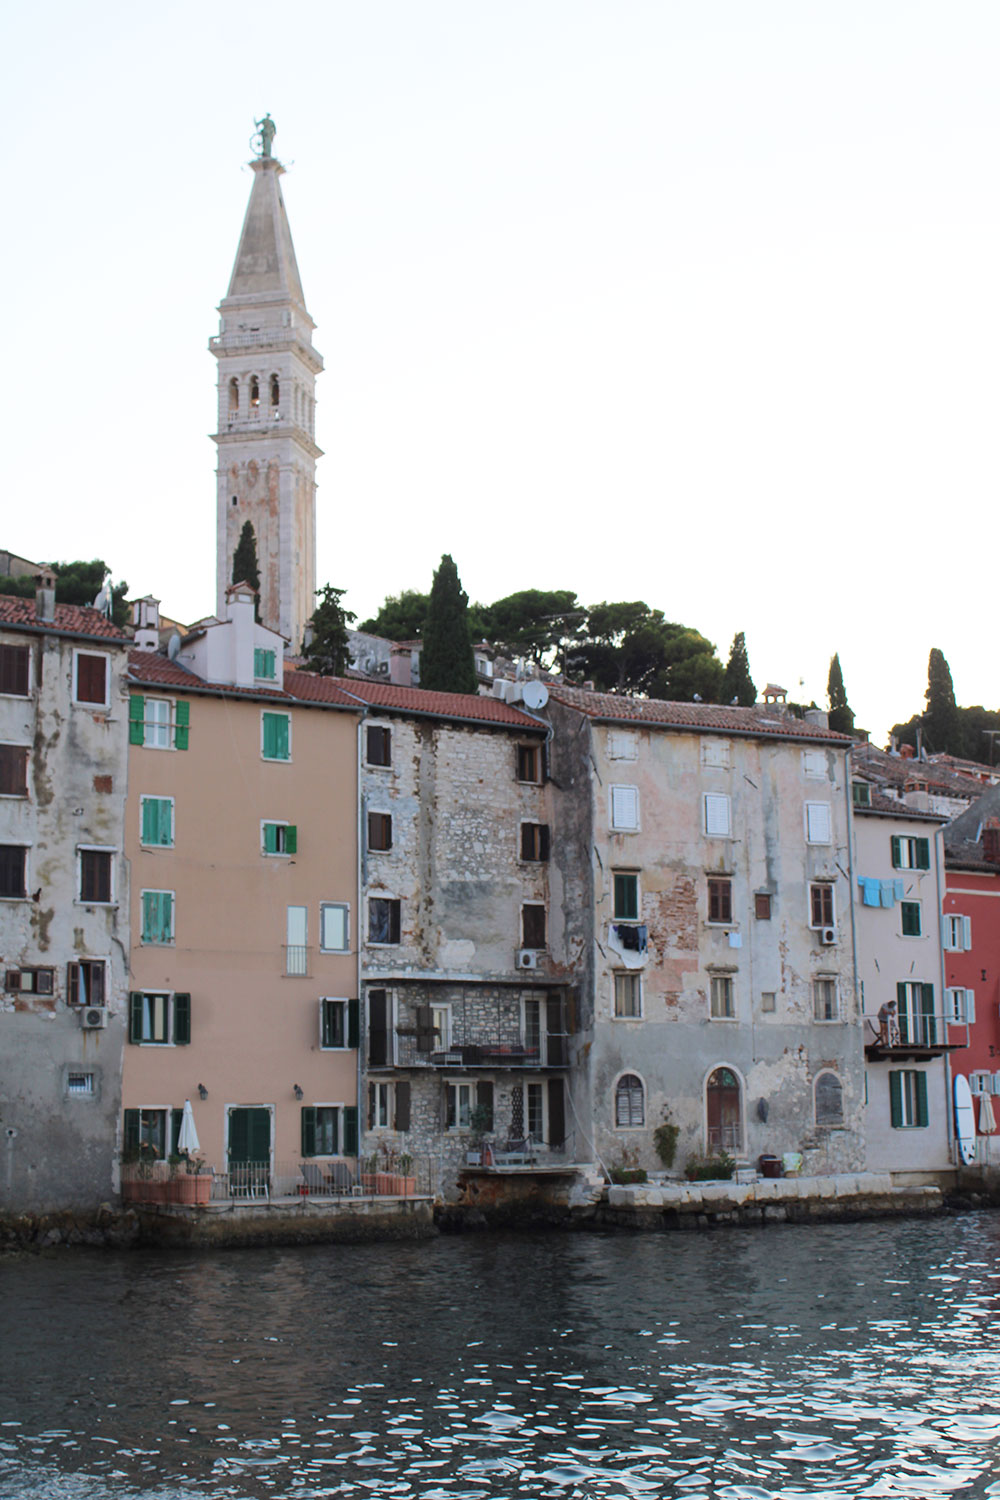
535,695
174,645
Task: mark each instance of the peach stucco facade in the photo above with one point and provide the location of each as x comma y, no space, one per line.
211,915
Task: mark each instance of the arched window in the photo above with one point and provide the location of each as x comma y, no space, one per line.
829,1096
275,392
630,1101
234,395
254,392
723,1108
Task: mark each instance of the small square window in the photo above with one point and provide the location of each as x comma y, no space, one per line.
379,832
768,1002
715,753
534,842
86,982
80,1083
91,678
623,744
762,906
861,794
378,745
279,838
720,899
628,996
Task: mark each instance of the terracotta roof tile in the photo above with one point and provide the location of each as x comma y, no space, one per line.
73,619
472,707
149,668
762,721
882,806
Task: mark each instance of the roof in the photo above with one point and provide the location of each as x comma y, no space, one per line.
471,707
882,806
963,838
898,770
760,722
265,260
70,619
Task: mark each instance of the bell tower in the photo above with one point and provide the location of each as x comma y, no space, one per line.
267,407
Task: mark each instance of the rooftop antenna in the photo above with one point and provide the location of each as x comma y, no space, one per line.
103,601
174,645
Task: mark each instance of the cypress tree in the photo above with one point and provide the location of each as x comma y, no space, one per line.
737,684
328,650
841,713
942,720
447,664
245,566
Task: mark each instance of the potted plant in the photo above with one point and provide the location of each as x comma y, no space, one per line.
480,1123
627,1168
665,1140
717,1168
194,1183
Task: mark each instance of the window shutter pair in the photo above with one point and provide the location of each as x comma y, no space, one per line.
157,916
157,821
275,736
818,824
625,807
181,1018
717,818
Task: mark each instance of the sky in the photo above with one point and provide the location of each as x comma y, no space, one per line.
688,301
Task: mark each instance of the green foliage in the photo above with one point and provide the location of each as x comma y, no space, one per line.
718,1168
665,1141
538,623
328,652
246,568
737,684
446,661
841,714
627,1168
943,729
630,648
76,583
401,617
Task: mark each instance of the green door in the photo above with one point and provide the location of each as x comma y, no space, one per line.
249,1150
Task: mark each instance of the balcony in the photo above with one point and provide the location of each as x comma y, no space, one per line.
914,1037
296,961
514,1052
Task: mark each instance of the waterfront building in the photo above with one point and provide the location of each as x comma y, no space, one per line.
64,894
242,838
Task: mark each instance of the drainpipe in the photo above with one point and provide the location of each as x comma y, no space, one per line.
949,1122
849,801
359,929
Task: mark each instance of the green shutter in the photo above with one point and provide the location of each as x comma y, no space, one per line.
921,1091
923,860
152,831
135,1017
275,737
176,1118
351,1130
182,1020
270,838
402,1094
258,670
136,719
895,852
291,839
308,1130
130,1130
484,1101
896,1099
927,1006
353,1023
282,734
182,720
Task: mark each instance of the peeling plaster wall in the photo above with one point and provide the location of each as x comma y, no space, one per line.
56,1148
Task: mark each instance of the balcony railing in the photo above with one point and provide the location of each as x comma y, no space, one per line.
908,1035
296,960
321,1180
552,1051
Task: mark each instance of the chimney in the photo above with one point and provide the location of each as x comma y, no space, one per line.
907,752
991,841
400,666
45,595
146,619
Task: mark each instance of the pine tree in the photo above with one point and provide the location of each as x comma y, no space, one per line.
447,664
737,684
841,713
245,566
328,651
942,721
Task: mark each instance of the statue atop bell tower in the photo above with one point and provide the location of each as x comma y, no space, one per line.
267,407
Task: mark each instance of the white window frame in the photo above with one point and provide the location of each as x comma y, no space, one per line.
619,797
920,918
980,1082
339,1148
276,760
715,994
156,797
83,958
149,725
908,1110
385,1090
825,980
827,885
956,932
266,652
340,1000
717,812
623,744
814,764
344,907
379,812
167,996
156,890
90,1092
441,1028
631,980
77,700
372,765
716,754
538,1088
629,1073
96,849
22,697
274,823
820,813
460,1084
960,1005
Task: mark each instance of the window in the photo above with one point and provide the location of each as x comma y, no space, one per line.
86,982
378,745
13,770
321,1130
826,1006
95,866
762,906
383,920
915,1013
264,664
768,1001
722,1007
459,1102
715,753
956,933
31,981
80,1083
828,1097
157,916
440,1027
909,853
535,842
254,392
159,723
15,671
981,1082
156,816
910,914
381,1029
529,763
334,926
818,823
533,925
814,763
623,744
628,997
821,907
626,896
717,815
379,832
275,736
279,838
625,809
720,899
630,1102
907,1099
861,795
234,396
13,870
296,941
159,1018
960,1006
333,1024
90,678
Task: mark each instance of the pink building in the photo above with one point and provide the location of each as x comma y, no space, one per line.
971,941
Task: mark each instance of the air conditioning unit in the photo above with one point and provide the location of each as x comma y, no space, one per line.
93,1018
828,935
527,958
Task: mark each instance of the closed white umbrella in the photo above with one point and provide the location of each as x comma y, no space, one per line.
187,1140
987,1122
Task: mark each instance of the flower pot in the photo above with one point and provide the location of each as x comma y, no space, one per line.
190,1188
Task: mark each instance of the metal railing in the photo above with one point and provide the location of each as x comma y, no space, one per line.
296,960
514,1051
322,1179
908,1029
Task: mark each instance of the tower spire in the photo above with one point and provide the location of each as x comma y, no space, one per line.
266,424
